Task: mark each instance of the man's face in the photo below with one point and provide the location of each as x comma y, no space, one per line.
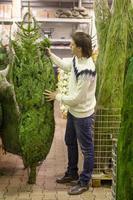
74,48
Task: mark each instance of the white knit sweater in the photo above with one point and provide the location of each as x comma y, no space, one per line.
82,85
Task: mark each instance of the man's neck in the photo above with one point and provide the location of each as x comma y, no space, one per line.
79,55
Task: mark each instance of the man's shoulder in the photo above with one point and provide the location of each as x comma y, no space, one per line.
88,68
68,59
86,73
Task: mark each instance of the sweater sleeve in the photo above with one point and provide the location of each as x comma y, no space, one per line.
78,96
65,65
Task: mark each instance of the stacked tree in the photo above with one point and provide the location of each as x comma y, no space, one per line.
125,139
112,37
32,73
9,112
112,29
115,30
3,64
3,56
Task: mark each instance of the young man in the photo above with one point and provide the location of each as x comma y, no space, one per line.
80,119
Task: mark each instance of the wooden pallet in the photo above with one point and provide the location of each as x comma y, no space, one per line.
99,180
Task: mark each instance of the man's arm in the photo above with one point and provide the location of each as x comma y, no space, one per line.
78,96
65,65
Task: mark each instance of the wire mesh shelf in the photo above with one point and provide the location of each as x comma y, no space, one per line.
107,123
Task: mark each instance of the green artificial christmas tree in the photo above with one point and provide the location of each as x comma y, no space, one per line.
32,73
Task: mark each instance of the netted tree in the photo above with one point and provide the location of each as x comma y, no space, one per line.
103,17
114,52
125,139
116,63
112,30
28,122
3,62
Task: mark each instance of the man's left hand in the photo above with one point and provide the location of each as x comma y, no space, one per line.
50,96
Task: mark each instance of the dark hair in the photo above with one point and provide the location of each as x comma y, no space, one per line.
83,40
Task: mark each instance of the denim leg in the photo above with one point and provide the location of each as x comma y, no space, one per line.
84,128
72,147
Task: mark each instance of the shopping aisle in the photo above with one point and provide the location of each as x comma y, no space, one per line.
13,180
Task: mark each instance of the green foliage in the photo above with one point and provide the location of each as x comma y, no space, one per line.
10,119
114,50
3,63
130,32
125,141
32,74
103,17
113,65
3,56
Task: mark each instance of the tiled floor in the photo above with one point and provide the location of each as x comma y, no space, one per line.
13,182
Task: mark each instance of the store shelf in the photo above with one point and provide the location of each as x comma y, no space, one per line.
60,40
51,20
64,20
63,44
9,21
60,47
47,3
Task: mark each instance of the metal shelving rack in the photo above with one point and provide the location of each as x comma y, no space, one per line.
51,20
45,21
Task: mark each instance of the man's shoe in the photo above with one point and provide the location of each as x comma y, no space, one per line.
74,183
66,179
78,189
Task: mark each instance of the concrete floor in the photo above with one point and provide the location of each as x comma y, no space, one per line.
13,182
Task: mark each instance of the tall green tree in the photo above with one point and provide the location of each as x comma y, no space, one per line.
125,139
112,32
30,73
117,70
103,17
114,59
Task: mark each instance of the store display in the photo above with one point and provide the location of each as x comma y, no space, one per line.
73,13
5,11
63,79
26,118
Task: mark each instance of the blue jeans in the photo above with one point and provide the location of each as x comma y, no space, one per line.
80,129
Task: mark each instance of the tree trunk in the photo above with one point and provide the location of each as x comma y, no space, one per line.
32,174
